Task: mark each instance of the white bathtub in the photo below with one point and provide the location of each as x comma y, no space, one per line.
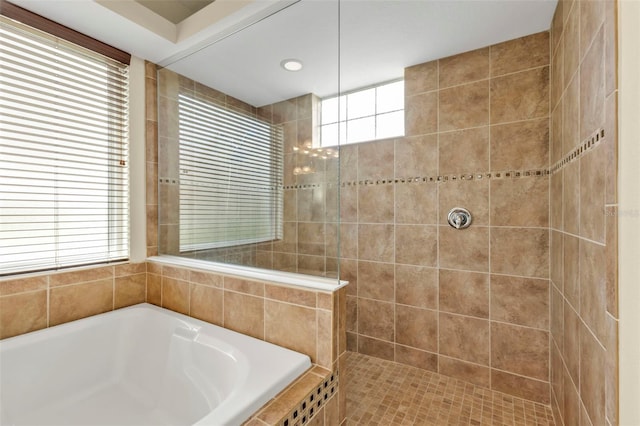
141,365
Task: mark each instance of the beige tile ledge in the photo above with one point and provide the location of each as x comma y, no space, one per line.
303,399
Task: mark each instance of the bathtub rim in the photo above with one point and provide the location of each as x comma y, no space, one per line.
259,274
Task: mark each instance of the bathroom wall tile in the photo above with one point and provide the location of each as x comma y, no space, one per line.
520,251
154,289
376,348
289,240
464,293
522,301
472,195
375,203
416,245
416,203
416,156
571,402
611,253
348,162
571,270
254,288
175,295
206,303
520,350
464,151
175,272
285,111
556,256
416,286
511,202
572,327
80,276
72,302
611,46
23,285
556,213
352,313
130,290
464,68
349,272
312,265
464,338
469,372
520,146
206,278
349,204
290,295
311,204
523,387
23,312
352,342
557,126
592,378
311,238
375,160
290,205
592,87
285,261
244,314
129,269
421,114
592,181
592,13
572,44
520,54
375,280
150,99
557,26
556,322
556,374
293,327
416,327
571,112
376,242
209,93
463,106
376,319
421,78
611,375
416,358
611,149
474,241
557,76
151,140
520,96
593,287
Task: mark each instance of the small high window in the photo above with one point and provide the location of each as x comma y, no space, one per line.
363,115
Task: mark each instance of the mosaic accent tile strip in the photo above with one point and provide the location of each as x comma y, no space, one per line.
381,392
312,403
588,144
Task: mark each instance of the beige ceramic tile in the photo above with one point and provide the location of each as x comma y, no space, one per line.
69,303
416,286
375,319
472,195
461,370
154,289
293,327
572,47
80,276
520,96
511,202
464,293
592,378
416,358
175,295
592,87
206,303
520,54
416,156
376,203
519,386
520,350
416,245
376,280
244,313
376,348
520,251
464,338
416,203
375,160
464,151
572,343
421,78
421,114
254,288
592,187
376,242
464,106
23,312
130,290
520,146
22,285
464,68
474,241
417,328
291,295
593,287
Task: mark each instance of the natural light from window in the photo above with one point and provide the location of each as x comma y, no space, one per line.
363,115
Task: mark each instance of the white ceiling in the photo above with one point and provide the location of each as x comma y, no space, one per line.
236,46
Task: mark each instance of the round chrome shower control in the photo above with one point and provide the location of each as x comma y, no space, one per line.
459,218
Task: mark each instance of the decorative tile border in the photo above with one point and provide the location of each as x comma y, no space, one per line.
591,142
312,403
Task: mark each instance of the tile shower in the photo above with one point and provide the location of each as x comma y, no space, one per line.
525,300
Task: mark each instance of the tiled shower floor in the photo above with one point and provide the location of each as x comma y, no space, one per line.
387,393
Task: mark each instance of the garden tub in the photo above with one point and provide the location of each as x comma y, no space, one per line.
141,365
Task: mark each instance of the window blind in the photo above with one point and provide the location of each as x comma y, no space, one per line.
63,153
230,177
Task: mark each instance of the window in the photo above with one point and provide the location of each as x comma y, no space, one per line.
364,115
63,152
230,177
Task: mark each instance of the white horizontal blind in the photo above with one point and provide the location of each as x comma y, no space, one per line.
63,153
230,177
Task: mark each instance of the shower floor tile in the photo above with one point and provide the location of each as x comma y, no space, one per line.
381,392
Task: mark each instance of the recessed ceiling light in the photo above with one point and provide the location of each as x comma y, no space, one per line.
291,64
